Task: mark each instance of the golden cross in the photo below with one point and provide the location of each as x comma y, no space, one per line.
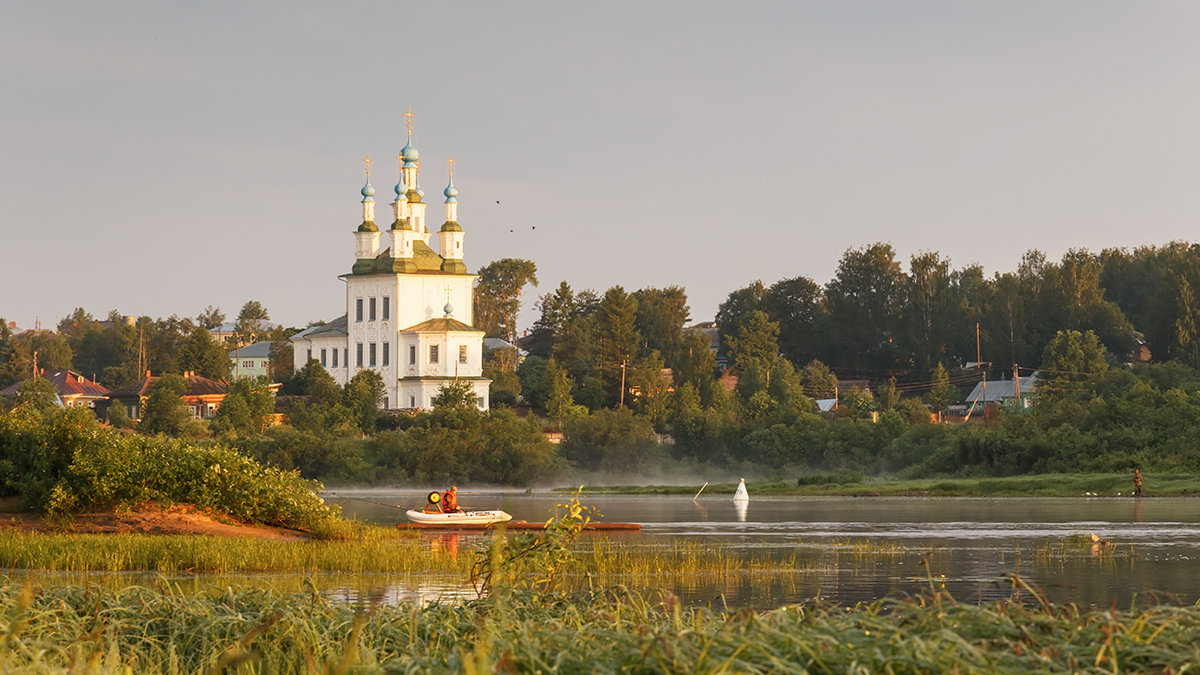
367,161
450,163
409,121
400,161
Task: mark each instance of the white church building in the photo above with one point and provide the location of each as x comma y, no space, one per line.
408,308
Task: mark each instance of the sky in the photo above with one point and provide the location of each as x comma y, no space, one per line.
158,158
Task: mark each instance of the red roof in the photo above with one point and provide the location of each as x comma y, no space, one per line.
67,383
197,386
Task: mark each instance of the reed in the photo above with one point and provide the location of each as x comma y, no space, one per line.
173,629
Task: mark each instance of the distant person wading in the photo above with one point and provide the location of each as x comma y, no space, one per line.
1137,483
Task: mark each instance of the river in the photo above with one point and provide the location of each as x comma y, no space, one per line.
858,549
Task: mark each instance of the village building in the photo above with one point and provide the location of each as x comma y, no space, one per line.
408,313
73,389
202,398
251,361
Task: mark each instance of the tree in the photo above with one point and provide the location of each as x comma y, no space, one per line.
733,312
498,295
888,395
204,355
558,385
50,351
165,411
37,393
817,381
929,303
251,323
864,301
1071,364
557,310
246,409
456,395
500,366
756,341
618,339
211,317
796,305
364,395
661,316
695,364
940,395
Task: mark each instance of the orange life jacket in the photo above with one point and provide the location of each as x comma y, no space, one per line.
449,501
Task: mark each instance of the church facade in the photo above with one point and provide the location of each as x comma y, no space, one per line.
408,308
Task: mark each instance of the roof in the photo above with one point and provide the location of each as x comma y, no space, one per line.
441,326
826,404
1000,390
338,326
197,386
66,383
256,350
231,326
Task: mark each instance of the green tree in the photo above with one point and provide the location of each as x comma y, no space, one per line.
500,366
609,440
246,409
165,411
364,395
817,381
940,394
456,395
558,385
796,305
204,355
37,393
695,364
756,341
1071,364
889,395
732,313
211,317
618,339
660,318
498,295
864,301
252,323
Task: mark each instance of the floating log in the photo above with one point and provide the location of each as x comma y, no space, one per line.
517,525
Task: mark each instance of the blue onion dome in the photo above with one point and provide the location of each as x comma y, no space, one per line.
420,192
368,191
451,192
399,190
409,153
448,309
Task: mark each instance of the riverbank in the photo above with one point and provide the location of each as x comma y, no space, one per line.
1045,485
165,629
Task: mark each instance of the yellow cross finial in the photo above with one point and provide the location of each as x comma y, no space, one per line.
450,164
367,162
408,122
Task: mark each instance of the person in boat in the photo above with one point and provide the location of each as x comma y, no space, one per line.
450,500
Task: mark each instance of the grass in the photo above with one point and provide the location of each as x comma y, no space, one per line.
1044,485
169,629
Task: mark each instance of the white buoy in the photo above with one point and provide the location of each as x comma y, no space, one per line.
741,495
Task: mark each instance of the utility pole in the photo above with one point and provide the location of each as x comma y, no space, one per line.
979,360
1017,384
622,383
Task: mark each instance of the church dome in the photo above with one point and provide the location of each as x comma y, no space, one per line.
451,192
368,189
409,153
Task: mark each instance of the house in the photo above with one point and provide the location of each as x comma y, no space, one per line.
252,360
227,332
74,390
203,396
408,309
1003,392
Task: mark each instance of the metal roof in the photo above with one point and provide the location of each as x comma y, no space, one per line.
1001,390
259,350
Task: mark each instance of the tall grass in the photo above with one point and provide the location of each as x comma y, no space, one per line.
168,629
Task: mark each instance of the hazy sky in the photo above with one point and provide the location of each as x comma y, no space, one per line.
160,157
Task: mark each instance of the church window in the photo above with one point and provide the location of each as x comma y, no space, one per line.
387,354
387,308
462,353
358,355
412,401
309,356
433,353
385,403
358,309
346,357
412,355
335,360
323,357
371,315
371,353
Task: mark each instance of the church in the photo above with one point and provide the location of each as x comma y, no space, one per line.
408,307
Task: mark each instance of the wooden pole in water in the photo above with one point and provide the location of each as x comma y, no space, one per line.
700,490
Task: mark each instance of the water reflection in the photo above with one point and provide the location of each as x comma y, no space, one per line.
794,549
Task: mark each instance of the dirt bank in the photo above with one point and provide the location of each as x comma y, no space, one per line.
150,518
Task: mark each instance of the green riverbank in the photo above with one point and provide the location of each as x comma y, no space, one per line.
167,629
850,485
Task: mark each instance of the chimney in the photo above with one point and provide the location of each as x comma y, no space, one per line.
147,374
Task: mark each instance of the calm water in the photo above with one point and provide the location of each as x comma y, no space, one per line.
847,550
